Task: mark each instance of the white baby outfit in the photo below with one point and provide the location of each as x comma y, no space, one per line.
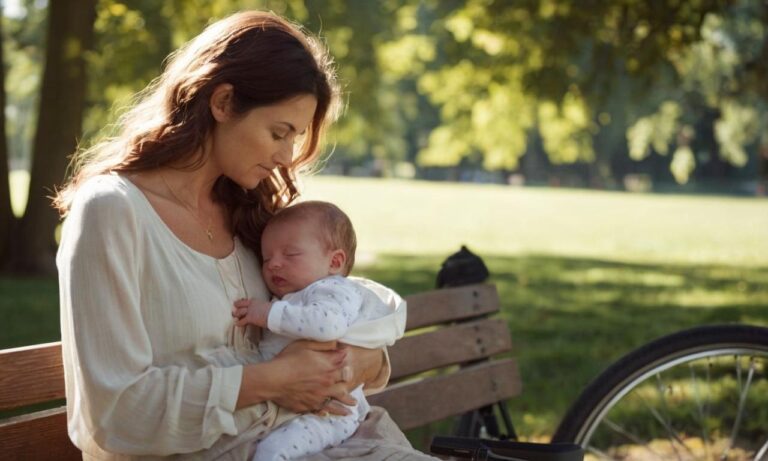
352,310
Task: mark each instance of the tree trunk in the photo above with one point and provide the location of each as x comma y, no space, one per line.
62,101
7,219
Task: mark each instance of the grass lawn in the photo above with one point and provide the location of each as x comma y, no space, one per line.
584,276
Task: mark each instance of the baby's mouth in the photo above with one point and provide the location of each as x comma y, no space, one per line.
278,281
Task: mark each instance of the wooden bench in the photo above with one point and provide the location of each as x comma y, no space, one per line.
443,367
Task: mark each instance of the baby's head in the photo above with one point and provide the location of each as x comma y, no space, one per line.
304,243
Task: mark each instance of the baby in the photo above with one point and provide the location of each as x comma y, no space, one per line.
308,251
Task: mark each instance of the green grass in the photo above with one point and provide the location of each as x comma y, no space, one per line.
584,276
418,217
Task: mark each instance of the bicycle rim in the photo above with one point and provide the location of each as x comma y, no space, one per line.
698,394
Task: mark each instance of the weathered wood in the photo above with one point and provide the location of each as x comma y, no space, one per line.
461,336
30,375
452,345
41,435
413,404
449,304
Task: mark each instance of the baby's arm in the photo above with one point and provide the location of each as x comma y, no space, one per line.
323,313
251,312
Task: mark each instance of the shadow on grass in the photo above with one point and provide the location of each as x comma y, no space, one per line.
569,317
572,317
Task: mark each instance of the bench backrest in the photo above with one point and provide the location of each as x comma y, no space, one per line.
441,367
450,337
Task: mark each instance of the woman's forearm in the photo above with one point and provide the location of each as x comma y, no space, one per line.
259,384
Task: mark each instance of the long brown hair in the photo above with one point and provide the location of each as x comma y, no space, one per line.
266,59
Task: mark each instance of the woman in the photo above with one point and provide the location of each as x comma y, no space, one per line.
150,261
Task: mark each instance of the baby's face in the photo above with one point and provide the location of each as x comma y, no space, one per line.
294,257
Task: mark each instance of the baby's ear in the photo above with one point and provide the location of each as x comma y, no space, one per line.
338,259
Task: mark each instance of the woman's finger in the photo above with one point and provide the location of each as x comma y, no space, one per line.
335,407
318,346
346,374
340,394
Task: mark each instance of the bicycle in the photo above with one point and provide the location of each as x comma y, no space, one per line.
687,395
684,396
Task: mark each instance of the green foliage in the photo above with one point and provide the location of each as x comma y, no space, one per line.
446,83
23,43
584,74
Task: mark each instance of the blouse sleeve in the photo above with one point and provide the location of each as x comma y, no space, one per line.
127,404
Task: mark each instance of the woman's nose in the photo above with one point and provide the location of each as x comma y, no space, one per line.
284,156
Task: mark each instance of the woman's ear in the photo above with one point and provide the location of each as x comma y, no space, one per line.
221,102
338,259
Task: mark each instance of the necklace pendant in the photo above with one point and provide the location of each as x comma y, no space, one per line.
209,234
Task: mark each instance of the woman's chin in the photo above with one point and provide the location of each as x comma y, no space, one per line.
247,183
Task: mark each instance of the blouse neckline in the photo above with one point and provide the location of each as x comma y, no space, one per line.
143,198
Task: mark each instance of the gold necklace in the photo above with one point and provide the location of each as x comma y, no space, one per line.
206,229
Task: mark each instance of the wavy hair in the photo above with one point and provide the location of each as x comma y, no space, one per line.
267,60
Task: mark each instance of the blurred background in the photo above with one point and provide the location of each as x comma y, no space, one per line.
608,160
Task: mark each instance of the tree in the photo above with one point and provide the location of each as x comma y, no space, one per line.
7,219
582,75
29,245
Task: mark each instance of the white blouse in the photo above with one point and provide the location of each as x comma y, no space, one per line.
140,312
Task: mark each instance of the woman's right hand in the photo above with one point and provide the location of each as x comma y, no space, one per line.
306,374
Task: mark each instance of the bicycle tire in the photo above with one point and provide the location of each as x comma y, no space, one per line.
665,355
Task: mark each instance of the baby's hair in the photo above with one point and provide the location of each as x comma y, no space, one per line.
334,226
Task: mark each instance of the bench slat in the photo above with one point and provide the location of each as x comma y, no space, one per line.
41,435
31,375
449,346
449,304
413,404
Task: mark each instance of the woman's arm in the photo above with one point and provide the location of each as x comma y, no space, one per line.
123,402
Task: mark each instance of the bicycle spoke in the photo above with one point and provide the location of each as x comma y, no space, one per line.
742,401
599,453
762,453
673,437
700,408
633,438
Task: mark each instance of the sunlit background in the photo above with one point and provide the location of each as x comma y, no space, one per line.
608,160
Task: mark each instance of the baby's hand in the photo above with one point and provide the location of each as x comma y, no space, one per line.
251,312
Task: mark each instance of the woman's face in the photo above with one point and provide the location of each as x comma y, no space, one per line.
247,147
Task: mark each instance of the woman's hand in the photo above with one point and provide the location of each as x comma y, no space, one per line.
363,365
303,377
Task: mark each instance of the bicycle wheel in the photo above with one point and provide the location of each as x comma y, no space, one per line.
697,394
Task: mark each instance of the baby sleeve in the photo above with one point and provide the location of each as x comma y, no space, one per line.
322,312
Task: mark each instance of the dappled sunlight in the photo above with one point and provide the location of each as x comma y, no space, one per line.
19,185
693,409
571,317
427,218
619,275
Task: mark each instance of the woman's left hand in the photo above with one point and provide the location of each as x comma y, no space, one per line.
363,365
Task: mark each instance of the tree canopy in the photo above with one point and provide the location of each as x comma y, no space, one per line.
679,86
